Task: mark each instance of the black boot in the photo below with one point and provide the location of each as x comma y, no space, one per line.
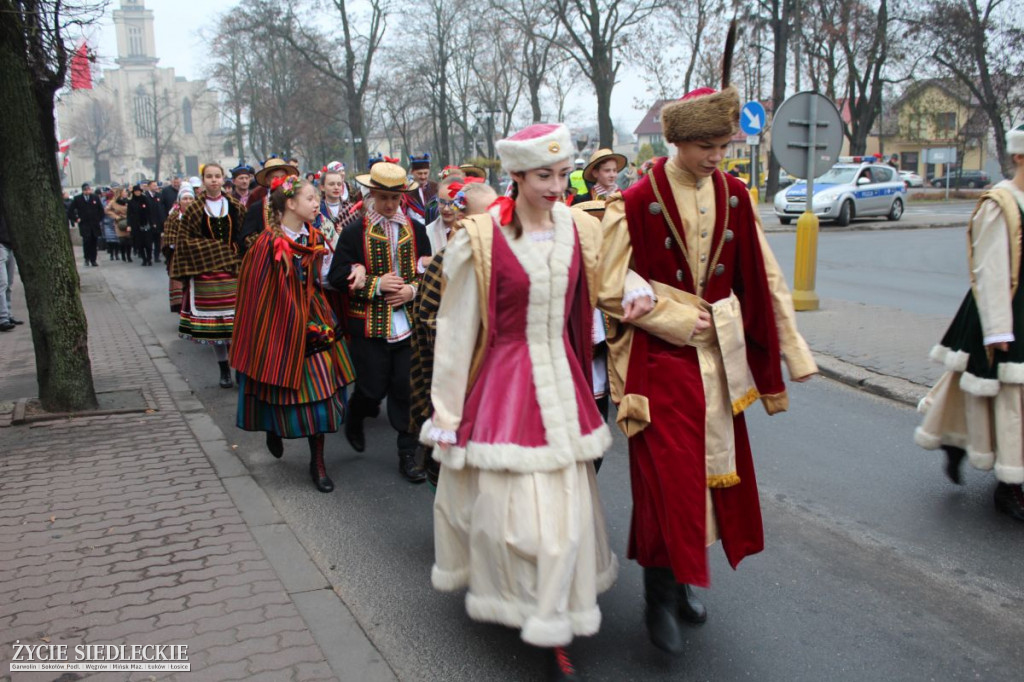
354,425
954,463
317,469
562,669
691,609
430,465
225,374
408,467
275,445
662,606
1009,498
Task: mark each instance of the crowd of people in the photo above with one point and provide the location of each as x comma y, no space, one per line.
495,331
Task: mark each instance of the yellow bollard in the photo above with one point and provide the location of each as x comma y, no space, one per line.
805,267
754,196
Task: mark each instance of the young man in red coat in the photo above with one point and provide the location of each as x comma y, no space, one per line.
697,342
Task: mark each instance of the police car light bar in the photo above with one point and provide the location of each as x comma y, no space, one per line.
859,159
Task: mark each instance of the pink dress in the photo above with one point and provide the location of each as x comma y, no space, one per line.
517,516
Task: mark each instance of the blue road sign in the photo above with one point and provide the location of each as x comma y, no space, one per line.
752,118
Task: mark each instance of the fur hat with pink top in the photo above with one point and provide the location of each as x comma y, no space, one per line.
705,113
536,146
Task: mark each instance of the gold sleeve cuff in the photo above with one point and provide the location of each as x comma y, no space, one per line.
723,480
775,403
634,414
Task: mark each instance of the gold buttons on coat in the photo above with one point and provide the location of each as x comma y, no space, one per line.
703,258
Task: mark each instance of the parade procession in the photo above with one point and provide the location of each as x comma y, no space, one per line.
735,395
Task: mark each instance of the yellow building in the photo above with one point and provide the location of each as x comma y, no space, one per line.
932,114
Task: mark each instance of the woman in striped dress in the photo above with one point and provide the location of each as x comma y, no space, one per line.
206,259
292,365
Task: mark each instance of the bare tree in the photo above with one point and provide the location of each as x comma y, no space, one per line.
157,117
530,24
97,125
35,52
229,71
595,31
977,42
777,16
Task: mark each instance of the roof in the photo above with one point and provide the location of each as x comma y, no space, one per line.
651,123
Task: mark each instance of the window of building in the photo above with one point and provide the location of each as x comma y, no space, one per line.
102,172
191,165
143,114
135,46
945,124
186,115
909,161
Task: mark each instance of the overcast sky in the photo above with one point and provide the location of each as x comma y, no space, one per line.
177,23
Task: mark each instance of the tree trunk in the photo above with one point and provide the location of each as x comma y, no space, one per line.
604,83
30,191
780,24
534,82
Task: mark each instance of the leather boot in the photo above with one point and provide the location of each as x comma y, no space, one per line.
691,609
317,469
354,426
225,374
1009,498
662,607
275,444
954,463
408,467
561,667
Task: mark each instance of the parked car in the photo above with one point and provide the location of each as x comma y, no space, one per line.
854,187
966,178
912,179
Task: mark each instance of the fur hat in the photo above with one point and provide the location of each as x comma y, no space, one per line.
536,146
1015,140
701,114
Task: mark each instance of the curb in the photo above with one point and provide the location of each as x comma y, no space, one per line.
346,646
893,388
871,227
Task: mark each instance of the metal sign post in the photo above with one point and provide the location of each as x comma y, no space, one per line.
806,138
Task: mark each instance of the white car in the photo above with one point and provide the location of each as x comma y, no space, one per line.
854,187
912,179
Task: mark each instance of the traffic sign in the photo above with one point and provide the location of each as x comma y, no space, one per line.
752,118
797,141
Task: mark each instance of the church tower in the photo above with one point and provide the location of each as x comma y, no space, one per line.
136,46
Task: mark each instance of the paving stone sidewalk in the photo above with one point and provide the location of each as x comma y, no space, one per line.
128,529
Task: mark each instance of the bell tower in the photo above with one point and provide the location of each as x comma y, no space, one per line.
134,26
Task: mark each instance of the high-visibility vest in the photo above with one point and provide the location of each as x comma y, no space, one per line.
577,181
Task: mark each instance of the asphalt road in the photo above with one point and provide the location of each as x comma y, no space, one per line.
917,214
875,568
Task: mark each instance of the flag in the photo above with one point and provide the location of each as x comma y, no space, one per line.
81,69
64,145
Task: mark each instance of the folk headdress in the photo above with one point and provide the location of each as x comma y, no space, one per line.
419,161
242,169
705,113
388,177
536,146
472,171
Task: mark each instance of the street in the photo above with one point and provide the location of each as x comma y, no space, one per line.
875,566
916,214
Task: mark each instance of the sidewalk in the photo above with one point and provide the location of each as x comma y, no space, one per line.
145,528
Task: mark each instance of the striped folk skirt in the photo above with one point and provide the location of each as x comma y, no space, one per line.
208,308
317,406
175,292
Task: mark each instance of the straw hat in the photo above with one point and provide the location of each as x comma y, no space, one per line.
389,177
473,171
272,164
599,157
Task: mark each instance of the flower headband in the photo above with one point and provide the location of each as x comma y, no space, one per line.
288,184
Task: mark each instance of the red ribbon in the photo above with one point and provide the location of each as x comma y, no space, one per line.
390,160
506,209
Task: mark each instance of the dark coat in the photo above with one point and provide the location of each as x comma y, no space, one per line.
168,198
140,211
157,213
87,211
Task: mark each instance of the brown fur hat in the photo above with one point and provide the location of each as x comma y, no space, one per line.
702,114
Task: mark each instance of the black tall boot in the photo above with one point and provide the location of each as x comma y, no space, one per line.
690,608
1009,498
275,445
409,468
354,424
662,606
225,374
954,463
317,469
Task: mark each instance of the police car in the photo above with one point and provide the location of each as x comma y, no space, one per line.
853,188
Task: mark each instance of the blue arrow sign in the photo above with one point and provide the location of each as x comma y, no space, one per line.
752,118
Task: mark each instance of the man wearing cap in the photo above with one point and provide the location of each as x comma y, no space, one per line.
382,239
86,211
694,347
420,203
601,175
257,211
241,178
